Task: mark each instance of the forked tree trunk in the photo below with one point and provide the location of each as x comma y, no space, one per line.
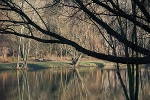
77,60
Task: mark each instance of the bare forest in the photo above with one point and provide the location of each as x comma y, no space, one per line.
123,31
55,17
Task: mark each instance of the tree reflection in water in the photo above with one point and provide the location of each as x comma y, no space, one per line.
68,84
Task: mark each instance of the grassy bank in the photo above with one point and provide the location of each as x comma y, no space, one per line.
50,64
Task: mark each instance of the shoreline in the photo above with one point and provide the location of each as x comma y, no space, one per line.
63,64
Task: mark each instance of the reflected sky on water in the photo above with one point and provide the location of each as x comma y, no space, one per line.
68,84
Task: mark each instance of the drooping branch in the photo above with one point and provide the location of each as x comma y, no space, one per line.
123,60
31,37
121,13
61,40
110,31
143,9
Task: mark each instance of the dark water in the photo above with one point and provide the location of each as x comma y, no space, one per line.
68,84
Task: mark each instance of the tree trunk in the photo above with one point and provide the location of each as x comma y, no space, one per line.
18,57
77,60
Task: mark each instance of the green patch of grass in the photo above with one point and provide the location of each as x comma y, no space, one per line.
48,64
93,64
42,65
7,65
36,65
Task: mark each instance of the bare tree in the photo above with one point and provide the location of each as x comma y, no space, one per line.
110,9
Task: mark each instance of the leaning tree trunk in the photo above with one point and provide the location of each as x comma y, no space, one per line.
76,63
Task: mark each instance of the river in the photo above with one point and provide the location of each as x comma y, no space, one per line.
69,84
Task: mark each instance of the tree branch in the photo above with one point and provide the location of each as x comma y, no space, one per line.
123,60
143,9
114,33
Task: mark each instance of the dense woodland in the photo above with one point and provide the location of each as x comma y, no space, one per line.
67,20
59,19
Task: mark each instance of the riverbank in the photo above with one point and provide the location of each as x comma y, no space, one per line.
52,64
64,64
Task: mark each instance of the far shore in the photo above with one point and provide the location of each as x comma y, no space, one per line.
51,64
63,64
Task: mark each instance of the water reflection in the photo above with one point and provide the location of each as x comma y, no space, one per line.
70,84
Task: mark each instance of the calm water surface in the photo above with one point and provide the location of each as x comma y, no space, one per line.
68,84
